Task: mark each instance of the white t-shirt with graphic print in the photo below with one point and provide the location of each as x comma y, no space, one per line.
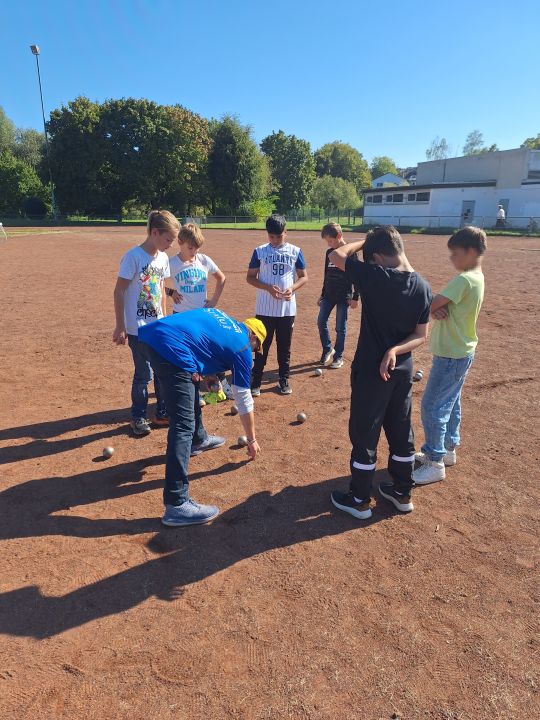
143,297
191,279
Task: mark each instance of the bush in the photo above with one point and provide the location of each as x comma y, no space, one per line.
258,209
34,207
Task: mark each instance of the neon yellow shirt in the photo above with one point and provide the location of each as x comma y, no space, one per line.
456,336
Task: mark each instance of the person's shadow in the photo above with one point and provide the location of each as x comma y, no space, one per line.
263,522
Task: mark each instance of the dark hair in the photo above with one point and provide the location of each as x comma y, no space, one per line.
469,237
331,230
384,240
275,225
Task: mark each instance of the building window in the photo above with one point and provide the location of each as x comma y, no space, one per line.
388,198
369,199
377,199
378,184
411,197
422,197
398,197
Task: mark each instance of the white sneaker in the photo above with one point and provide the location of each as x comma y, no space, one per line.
449,459
429,472
338,362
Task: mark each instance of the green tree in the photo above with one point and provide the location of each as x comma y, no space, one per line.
333,193
381,165
474,143
438,150
236,169
7,132
293,169
18,182
343,161
533,143
77,155
29,146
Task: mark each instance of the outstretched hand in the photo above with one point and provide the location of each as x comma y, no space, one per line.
388,364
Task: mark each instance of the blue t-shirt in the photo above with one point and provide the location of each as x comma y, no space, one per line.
205,341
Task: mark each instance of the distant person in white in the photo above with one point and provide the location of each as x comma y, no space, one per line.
501,217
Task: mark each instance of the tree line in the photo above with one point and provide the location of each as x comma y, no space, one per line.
126,156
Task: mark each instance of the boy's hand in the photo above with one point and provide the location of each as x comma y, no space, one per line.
353,304
440,314
319,301
253,449
388,364
209,304
275,292
119,336
287,294
177,297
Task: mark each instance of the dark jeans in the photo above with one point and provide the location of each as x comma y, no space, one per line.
185,424
283,329
342,310
377,404
141,377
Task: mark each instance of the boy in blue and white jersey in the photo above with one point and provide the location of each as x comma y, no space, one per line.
277,269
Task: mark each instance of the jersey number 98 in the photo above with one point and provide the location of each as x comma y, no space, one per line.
278,269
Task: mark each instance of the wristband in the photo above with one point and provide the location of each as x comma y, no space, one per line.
169,291
252,442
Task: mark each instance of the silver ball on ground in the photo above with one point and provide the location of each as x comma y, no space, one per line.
318,372
242,441
108,452
301,417
234,410
418,375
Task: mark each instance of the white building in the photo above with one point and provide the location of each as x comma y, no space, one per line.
388,179
463,190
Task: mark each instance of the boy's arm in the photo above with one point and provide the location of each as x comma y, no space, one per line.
339,256
326,256
119,334
414,340
220,284
439,311
163,299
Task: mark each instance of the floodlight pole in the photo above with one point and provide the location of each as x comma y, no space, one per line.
36,51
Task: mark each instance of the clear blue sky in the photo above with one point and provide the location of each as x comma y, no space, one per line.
386,77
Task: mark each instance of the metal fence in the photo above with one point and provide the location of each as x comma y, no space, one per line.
530,224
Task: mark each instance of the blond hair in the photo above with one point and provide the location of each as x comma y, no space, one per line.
162,221
332,230
192,234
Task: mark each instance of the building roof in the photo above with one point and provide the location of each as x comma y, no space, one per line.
415,188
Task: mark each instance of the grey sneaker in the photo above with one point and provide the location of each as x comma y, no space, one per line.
284,387
338,362
140,426
188,513
327,357
211,442
255,391
449,459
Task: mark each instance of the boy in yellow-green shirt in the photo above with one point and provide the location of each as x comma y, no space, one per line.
453,343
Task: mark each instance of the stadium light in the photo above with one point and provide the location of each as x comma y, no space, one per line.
35,51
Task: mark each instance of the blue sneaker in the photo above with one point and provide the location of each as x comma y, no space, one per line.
211,442
188,513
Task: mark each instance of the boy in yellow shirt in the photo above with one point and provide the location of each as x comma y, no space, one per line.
453,343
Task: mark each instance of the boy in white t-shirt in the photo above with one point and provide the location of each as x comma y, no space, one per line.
139,299
190,270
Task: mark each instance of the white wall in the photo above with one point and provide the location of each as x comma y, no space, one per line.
507,167
445,207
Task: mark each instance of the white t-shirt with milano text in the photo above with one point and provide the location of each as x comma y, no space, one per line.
191,279
143,297
277,266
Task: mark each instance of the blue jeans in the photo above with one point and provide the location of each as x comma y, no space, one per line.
342,310
441,405
185,424
142,376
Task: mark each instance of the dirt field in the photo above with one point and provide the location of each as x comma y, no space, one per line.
283,607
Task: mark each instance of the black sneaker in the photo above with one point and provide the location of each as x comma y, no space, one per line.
284,387
402,501
347,503
327,357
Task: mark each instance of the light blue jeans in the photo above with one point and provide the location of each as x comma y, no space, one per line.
441,405
342,309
